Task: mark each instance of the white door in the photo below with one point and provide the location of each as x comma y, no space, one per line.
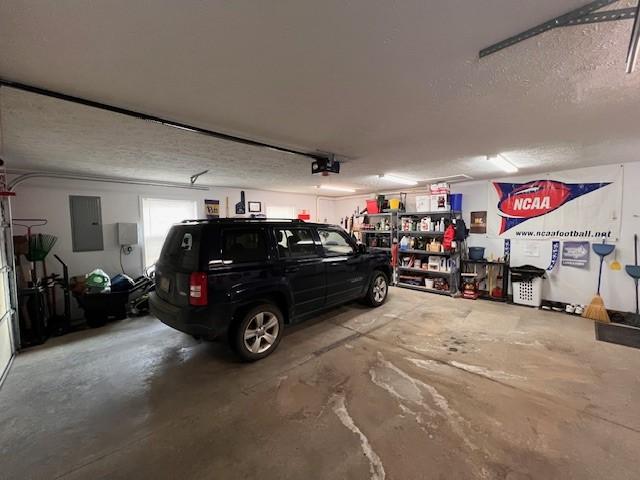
6,342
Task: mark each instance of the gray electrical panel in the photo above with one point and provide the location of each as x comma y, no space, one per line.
86,223
127,234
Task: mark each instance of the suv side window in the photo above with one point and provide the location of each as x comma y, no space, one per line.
294,243
243,246
335,243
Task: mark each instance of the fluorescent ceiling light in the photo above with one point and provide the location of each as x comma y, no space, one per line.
396,179
336,188
502,163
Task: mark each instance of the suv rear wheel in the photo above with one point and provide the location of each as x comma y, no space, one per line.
378,289
259,332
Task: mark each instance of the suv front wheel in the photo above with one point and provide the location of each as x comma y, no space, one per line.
378,289
259,332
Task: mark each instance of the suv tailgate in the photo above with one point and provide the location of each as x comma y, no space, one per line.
179,258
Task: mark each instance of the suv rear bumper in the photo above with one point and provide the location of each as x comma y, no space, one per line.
199,321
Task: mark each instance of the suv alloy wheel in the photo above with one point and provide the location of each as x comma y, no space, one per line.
259,332
378,289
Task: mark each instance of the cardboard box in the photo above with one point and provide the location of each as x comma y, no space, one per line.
438,200
423,203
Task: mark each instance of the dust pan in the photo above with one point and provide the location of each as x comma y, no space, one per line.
615,265
596,309
634,272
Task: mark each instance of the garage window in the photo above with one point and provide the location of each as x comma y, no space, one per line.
275,211
158,215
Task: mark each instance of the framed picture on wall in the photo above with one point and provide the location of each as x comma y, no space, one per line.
478,222
255,207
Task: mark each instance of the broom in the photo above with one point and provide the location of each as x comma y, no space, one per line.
596,309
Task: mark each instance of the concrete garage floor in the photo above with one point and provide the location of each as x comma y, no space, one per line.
423,387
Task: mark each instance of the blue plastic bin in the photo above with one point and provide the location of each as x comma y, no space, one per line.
456,202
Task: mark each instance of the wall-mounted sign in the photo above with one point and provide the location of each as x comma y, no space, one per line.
212,208
576,254
478,222
572,205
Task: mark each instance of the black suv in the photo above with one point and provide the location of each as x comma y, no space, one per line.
248,278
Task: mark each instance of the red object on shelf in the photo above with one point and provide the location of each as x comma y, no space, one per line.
304,215
372,206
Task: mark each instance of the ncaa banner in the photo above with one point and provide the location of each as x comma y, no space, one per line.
584,204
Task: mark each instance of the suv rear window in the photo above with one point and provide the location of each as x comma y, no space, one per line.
246,245
181,248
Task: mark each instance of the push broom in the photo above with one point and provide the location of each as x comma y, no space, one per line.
596,309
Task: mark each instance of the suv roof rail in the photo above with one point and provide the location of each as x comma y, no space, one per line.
231,220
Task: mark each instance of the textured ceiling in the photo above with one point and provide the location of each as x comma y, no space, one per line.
395,86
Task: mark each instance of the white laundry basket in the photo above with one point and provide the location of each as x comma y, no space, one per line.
528,292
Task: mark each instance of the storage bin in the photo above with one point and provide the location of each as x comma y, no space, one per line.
394,203
527,285
528,292
423,203
372,206
455,199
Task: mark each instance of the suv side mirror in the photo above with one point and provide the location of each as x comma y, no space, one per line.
361,248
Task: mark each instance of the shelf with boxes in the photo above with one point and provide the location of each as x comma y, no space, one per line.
377,230
423,262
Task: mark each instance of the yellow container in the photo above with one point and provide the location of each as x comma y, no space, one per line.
394,203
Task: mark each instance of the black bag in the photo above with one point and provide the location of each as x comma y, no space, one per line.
461,230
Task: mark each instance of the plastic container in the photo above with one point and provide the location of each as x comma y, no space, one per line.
372,206
528,292
476,253
455,199
527,285
394,203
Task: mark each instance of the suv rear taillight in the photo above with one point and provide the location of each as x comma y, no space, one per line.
198,291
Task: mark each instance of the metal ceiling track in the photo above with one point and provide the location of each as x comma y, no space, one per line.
580,16
154,119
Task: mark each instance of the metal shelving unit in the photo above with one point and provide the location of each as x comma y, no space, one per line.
452,276
421,233
426,272
422,289
367,235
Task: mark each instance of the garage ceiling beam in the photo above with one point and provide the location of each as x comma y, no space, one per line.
154,119
579,16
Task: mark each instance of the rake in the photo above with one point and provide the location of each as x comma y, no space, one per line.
40,245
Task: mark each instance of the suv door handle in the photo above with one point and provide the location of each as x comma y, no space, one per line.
291,269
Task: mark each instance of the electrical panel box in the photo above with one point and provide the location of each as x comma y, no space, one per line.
127,234
86,223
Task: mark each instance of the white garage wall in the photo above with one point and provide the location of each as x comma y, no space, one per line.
121,203
564,284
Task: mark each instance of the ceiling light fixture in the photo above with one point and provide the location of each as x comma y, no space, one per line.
395,179
336,189
502,163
